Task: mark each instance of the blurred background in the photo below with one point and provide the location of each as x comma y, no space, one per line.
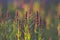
29,19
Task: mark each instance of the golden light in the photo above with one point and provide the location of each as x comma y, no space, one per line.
26,7
36,7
